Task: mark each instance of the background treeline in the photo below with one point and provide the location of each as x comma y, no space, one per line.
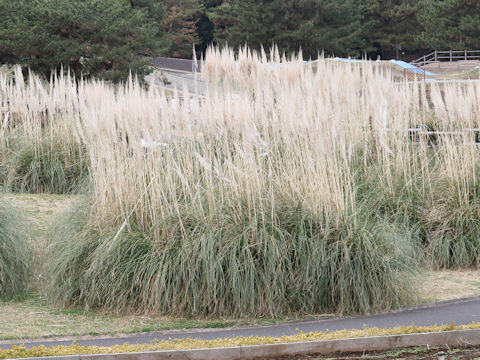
108,37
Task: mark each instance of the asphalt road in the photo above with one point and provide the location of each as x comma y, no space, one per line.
462,311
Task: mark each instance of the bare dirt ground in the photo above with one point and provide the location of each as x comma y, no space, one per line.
450,284
417,353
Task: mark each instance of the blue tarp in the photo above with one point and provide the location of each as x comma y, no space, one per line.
400,63
411,67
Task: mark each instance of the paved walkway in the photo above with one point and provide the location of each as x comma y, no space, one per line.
461,311
190,82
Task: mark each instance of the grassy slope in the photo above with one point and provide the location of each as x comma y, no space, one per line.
40,211
31,317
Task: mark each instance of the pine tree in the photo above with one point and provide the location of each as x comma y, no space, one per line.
390,27
205,27
313,25
180,25
102,38
451,25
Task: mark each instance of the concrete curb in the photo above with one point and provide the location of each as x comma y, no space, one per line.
375,343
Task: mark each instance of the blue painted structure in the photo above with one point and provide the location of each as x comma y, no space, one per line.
411,67
400,63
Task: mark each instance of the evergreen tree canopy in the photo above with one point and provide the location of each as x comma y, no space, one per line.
180,25
103,38
108,38
205,27
451,25
312,25
390,27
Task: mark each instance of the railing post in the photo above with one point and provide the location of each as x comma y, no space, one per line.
465,55
450,55
424,60
435,55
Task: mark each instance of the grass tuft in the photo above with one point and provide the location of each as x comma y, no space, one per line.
454,239
45,167
15,254
295,264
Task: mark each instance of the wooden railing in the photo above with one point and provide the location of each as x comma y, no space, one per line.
447,55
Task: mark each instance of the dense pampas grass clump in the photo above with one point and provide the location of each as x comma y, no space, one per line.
243,202
288,187
40,151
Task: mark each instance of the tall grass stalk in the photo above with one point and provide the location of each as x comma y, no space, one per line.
245,201
288,187
39,147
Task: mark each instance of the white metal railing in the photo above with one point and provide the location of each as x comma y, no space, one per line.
447,55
